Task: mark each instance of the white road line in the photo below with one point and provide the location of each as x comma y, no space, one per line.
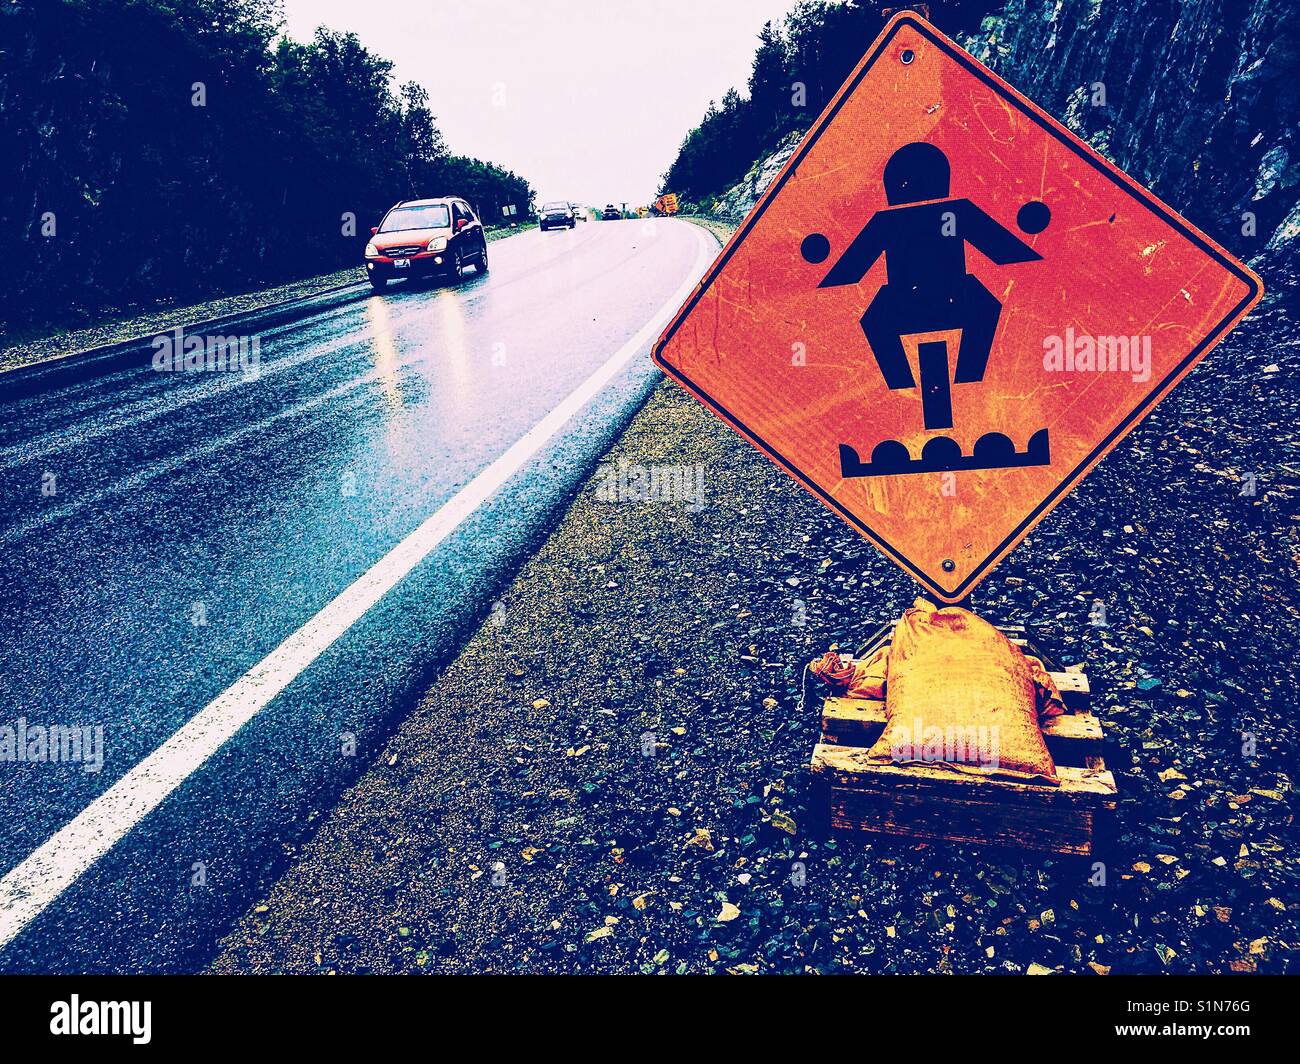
31,886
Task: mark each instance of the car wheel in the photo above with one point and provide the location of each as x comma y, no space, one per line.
482,259
458,267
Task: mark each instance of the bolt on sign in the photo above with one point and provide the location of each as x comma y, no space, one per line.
947,309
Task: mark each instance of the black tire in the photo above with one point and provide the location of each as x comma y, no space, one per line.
458,267
483,259
378,283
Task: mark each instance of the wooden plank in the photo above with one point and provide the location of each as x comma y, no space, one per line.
1075,692
879,638
859,721
1051,829
849,767
1015,634
852,721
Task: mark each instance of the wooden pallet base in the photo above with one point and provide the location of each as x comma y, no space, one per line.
943,803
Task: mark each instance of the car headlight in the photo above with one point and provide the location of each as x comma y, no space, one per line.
438,243
372,252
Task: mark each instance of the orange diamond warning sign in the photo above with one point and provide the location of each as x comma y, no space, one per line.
947,308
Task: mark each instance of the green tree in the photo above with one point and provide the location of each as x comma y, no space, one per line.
176,148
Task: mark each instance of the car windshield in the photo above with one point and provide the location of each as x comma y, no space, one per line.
555,206
433,216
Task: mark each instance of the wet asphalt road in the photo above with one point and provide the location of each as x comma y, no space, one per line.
198,519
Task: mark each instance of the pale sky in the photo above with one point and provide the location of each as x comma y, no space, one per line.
587,99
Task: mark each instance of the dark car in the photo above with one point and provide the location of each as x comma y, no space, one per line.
556,215
611,213
426,238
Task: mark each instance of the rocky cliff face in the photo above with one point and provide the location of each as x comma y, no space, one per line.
1197,99
739,200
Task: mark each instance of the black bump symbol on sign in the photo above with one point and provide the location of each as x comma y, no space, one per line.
922,235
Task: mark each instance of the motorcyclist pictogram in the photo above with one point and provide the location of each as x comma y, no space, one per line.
922,235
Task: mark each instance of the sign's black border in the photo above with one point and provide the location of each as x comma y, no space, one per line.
1254,290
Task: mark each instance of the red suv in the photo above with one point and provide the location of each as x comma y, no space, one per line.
426,237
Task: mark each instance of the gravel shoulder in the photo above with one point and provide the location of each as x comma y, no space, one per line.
720,229
609,777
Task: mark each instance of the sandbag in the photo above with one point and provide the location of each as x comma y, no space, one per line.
853,679
960,694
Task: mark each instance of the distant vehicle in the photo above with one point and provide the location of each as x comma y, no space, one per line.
556,215
580,213
611,213
426,237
